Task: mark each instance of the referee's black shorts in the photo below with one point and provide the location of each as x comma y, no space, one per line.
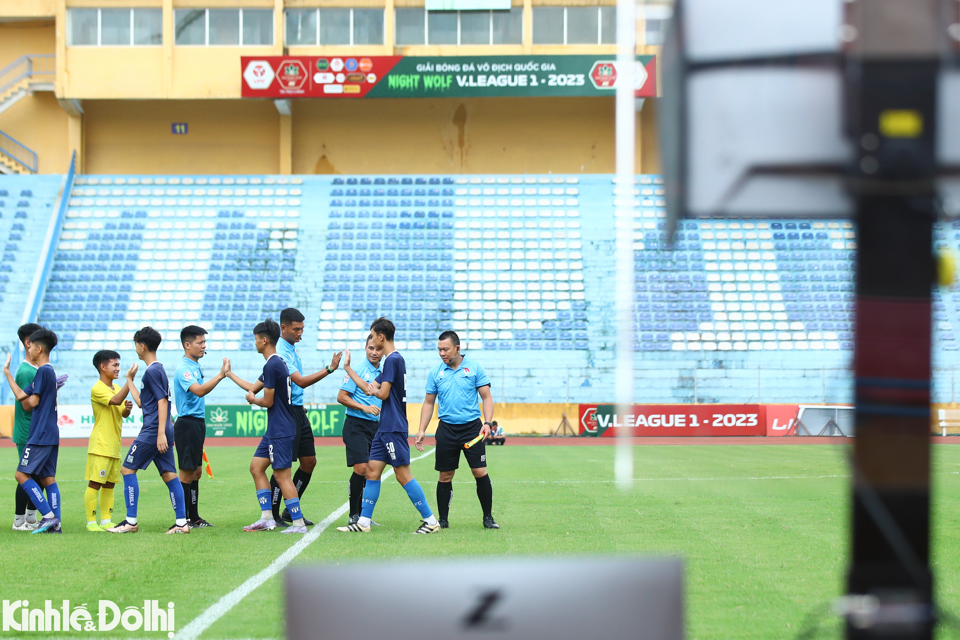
189,434
450,441
303,444
358,436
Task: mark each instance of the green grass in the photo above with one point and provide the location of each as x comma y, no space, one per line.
762,531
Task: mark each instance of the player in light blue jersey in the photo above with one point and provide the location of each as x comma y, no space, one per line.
390,445
360,425
304,450
190,429
461,385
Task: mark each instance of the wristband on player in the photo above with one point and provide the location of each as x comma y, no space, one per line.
487,424
329,370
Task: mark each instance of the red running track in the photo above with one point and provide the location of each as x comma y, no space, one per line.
542,441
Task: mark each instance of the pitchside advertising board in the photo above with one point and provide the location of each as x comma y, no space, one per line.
440,77
601,420
223,421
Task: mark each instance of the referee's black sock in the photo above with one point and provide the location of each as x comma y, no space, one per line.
195,500
444,498
276,496
357,483
300,480
485,493
186,499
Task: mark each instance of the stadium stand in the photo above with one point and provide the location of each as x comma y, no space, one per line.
520,266
26,207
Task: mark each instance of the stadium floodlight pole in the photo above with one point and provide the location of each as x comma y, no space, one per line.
626,118
892,64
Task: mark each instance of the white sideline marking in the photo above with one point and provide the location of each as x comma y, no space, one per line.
203,622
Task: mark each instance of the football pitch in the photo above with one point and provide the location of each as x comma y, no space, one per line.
762,531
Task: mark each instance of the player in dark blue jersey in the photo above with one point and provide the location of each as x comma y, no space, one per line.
39,460
390,445
154,443
276,447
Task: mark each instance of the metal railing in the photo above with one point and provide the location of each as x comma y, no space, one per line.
41,66
18,152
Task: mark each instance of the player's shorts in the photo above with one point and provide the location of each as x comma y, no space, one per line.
450,441
39,460
189,434
358,436
142,453
391,447
278,450
102,469
303,446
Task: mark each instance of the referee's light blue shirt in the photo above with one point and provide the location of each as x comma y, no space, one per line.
367,373
187,375
291,356
456,390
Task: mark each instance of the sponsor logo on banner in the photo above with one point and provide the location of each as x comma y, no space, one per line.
782,419
351,88
292,75
322,64
76,421
366,65
674,420
323,78
356,78
603,75
336,64
258,75
351,64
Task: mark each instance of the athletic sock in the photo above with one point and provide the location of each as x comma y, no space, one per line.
275,497
293,506
371,493
356,493
419,500
176,499
485,494
185,488
21,501
53,499
131,496
90,504
300,480
263,497
106,505
31,515
36,495
444,498
195,500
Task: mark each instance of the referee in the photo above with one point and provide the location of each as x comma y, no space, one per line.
457,381
360,425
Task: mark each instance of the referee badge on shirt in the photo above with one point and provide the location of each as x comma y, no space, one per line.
186,375
466,371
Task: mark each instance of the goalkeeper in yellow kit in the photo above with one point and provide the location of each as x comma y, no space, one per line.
110,407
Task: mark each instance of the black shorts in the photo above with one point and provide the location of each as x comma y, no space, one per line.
188,436
303,444
450,441
357,436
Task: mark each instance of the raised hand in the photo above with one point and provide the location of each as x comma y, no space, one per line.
335,362
132,371
346,358
62,380
6,366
